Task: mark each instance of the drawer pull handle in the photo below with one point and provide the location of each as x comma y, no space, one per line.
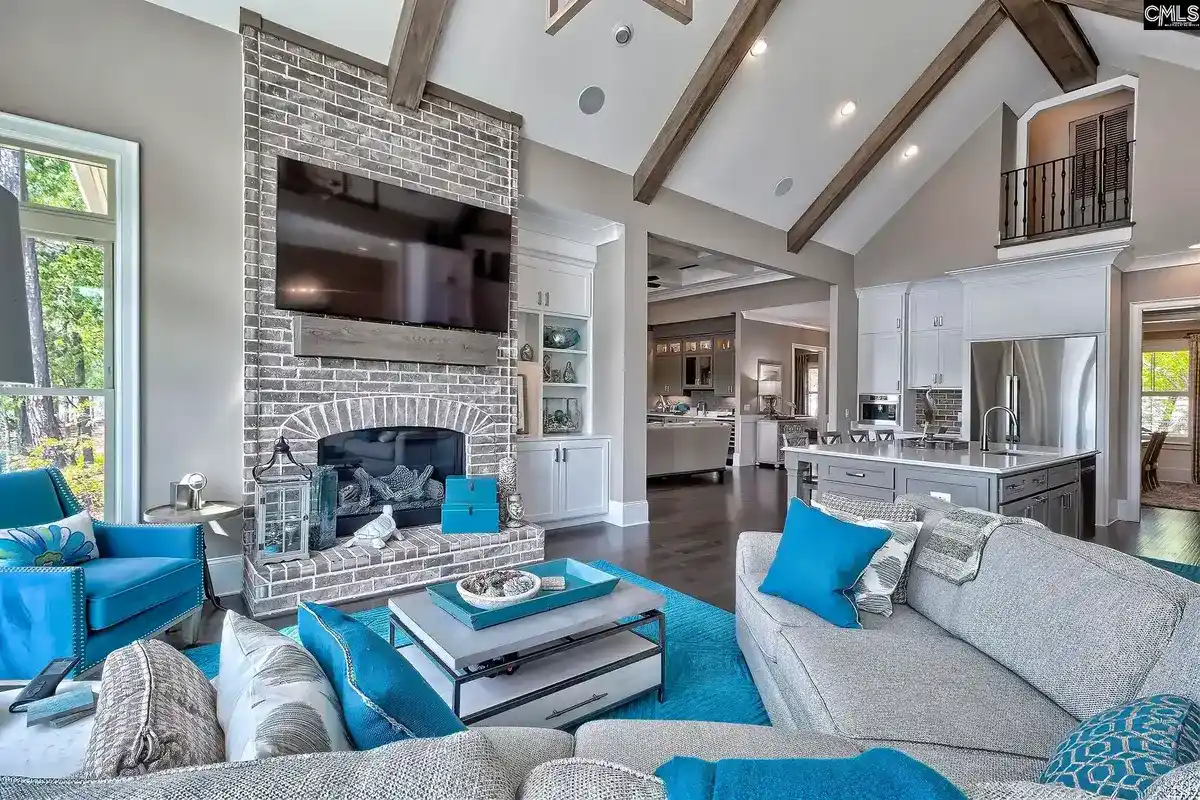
1012,487
569,709
857,474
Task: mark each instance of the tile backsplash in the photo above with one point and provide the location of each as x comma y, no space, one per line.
947,405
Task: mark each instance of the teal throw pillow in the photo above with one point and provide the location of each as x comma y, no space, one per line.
65,543
1120,752
818,561
384,699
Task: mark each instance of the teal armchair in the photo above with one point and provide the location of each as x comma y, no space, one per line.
146,579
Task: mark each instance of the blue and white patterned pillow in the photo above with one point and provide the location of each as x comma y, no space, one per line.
65,543
1120,752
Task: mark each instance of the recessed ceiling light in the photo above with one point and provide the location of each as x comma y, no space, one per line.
393,244
591,100
1196,246
622,35
759,47
848,108
363,249
783,187
911,151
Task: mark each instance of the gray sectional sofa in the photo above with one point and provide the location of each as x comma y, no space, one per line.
980,681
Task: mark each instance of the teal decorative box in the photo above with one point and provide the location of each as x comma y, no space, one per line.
471,490
471,517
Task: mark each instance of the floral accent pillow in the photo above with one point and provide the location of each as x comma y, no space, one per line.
65,543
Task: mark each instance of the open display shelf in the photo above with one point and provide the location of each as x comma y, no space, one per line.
567,401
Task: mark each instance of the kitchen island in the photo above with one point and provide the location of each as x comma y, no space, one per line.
1042,483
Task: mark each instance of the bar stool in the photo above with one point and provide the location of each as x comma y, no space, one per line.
885,436
860,436
831,438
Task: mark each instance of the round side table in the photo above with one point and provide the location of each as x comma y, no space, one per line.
211,513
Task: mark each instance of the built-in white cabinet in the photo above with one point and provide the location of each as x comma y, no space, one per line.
561,479
880,369
555,289
1050,297
935,358
881,310
936,306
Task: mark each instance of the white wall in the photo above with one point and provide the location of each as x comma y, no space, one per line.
135,71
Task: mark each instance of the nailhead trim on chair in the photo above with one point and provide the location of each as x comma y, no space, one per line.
78,631
70,502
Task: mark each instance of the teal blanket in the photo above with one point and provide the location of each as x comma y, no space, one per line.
879,774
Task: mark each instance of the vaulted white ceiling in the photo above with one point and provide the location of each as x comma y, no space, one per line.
778,116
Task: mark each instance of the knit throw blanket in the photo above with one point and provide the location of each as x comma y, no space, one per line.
954,548
880,774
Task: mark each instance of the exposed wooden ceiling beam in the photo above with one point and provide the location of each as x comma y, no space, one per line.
953,57
560,12
1132,10
1056,38
745,24
417,36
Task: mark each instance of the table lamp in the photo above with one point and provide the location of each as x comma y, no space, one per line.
770,391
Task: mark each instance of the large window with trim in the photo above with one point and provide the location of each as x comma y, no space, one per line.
1165,391
79,412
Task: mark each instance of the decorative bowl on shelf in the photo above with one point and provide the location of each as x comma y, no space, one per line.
560,338
499,588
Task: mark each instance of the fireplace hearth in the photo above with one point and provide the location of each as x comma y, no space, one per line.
402,467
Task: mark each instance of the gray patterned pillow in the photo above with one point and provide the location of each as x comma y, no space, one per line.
589,779
156,711
868,509
272,697
876,589
459,767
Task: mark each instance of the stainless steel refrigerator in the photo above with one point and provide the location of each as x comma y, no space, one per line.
1049,384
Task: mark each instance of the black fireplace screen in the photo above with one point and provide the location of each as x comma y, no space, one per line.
405,468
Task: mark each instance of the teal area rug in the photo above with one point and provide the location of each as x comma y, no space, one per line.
707,678
1189,571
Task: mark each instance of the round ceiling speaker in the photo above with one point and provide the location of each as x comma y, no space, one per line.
591,100
783,187
623,34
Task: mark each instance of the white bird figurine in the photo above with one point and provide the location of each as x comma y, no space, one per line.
376,532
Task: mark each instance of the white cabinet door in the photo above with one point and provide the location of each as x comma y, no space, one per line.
529,288
538,479
880,313
950,308
584,479
924,308
567,291
924,362
879,367
950,357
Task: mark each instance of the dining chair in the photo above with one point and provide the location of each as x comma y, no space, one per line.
831,438
885,436
860,436
1150,460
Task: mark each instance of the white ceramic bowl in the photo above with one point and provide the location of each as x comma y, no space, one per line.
492,603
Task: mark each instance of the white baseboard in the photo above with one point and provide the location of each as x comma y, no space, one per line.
226,573
1174,475
626,514
1127,510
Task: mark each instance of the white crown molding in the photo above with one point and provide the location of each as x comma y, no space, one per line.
1184,258
1067,244
759,316
884,288
1107,256
716,286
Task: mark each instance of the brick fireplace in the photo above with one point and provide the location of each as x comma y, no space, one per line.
311,107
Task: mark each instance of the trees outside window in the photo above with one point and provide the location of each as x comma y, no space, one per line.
60,420
1165,394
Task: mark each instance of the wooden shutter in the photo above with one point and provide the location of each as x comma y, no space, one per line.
1085,142
1114,130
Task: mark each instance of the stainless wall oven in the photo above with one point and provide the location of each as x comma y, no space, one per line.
879,409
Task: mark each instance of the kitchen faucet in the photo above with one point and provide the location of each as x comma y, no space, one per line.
983,435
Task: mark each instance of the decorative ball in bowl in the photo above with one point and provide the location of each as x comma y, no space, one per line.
499,588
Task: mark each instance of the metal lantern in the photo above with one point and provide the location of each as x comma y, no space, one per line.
281,510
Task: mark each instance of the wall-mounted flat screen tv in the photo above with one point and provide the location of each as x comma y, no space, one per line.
353,247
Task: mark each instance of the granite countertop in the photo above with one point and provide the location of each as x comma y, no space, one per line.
969,460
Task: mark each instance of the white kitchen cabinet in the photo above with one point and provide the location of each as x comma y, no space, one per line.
951,360
880,310
879,363
562,479
584,477
936,306
554,288
924,358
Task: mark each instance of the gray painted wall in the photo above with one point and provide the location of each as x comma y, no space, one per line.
951,222
137,71
1166,204
768,342
715,304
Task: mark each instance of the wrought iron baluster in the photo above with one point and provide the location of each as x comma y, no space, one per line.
1042,210
1025,208
1062,211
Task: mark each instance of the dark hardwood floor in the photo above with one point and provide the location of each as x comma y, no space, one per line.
695,521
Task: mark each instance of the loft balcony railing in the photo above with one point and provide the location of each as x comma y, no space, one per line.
1076,194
